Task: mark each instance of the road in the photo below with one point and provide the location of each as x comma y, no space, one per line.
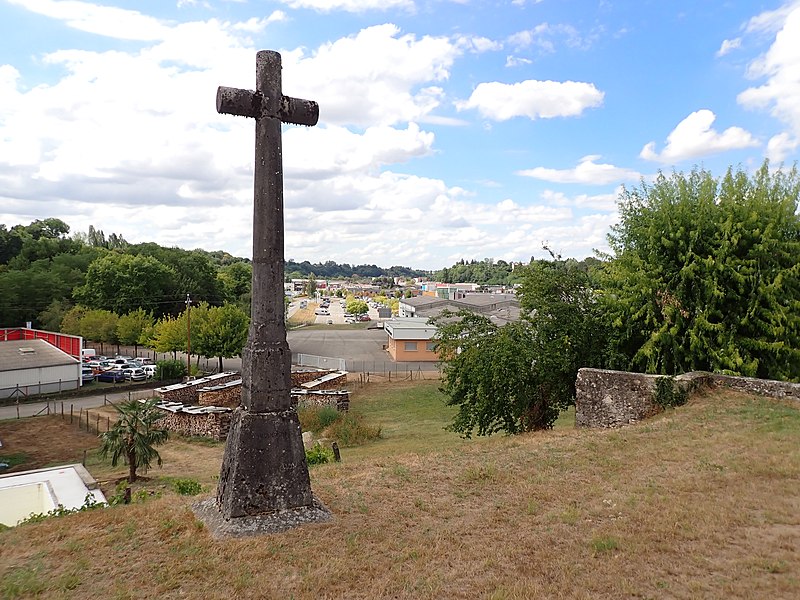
83,402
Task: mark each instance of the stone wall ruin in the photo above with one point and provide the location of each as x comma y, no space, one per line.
605,398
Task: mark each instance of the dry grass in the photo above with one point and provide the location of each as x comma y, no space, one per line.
700,502
304,315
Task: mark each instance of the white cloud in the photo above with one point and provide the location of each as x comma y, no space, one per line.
728,46
107,21
694,137
516,61
351,81
603,202
533,99
587,172
355,6
781,146
780,66
546,36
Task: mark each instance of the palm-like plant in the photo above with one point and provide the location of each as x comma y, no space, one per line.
133,436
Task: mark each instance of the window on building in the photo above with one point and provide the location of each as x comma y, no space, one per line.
430,346
410,346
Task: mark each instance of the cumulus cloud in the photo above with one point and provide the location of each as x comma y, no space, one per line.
694,137
533,99
587,172
350,80
781,146
779,67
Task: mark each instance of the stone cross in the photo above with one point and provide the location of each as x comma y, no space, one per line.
264,467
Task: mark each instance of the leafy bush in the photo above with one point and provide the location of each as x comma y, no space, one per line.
317,418
350,430
170,369
187,487
319,455
89,503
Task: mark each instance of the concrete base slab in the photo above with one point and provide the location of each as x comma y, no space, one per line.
208,511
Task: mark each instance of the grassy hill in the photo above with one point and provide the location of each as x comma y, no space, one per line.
702,501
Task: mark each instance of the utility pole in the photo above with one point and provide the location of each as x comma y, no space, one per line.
188,336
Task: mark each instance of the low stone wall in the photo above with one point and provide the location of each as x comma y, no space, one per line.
606,398
210,425
338,399
612,398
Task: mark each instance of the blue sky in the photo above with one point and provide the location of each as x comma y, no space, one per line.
448,128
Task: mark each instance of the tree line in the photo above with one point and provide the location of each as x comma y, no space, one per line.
704,275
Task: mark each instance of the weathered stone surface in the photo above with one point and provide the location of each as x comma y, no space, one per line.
209,512
264,467
613,398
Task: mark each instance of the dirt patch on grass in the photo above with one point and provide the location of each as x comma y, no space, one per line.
44,442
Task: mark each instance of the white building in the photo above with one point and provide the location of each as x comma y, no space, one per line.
29,367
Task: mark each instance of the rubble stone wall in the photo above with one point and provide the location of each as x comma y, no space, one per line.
606,398
210,425
340,402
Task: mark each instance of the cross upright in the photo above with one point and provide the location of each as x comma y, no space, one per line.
264,467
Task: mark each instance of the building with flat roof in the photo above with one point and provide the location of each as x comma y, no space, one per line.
411,339
500,308
33,366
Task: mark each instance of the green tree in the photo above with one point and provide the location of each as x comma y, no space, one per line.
519,376
222,333
133,437
488,373
169,335
133,327
706,275
71,322
122,283
310,287
100,326
356,307
50,318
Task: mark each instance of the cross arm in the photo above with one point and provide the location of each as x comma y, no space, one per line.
246,103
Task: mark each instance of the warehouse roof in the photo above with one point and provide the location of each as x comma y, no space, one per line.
31,354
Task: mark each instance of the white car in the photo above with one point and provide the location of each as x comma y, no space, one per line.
149,370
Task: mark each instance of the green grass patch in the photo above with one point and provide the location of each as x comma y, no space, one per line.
13,460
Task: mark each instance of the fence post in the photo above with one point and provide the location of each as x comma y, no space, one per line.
108,423
62,411
80,417
71,406
98,424
105,398
129,396
87,420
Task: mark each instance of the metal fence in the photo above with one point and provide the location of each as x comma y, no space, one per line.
320,362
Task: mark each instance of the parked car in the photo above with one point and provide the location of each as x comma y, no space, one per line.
321,311
87,375
149,370
111,376
364,318
135,374
330,321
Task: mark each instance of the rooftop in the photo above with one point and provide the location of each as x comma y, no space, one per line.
17,355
